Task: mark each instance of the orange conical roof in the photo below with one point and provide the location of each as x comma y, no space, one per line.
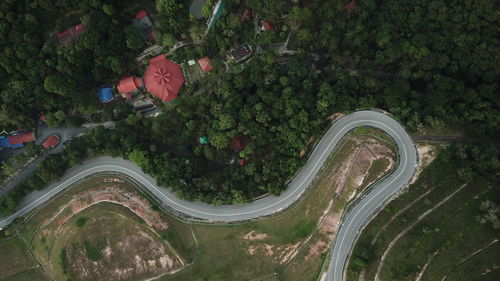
163,78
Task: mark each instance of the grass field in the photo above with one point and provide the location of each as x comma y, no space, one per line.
14,257
36,274
434,231
71,232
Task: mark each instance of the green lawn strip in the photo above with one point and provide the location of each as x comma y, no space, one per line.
36,274
14,257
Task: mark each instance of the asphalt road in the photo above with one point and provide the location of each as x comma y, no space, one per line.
353,222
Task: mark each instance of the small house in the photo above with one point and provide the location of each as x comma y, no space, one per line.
205,64
129,85
50,142
265,26
203,140
241,53
246,15
104,94
20,138
351,6
143,23
71,33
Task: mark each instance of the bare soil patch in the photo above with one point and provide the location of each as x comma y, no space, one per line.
254,235
363,161
113,246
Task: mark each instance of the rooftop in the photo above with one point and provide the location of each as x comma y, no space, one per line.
50,142
104,94
205,64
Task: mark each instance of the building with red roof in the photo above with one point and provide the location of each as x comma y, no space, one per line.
238,142
266,26
351,6
143,23
205,64
242,162
245,16
71,33
163,78
141,14
21,138
129,85
50,142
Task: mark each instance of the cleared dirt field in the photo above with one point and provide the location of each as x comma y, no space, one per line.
112,244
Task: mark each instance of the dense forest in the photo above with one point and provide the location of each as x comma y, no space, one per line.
430,63
39,75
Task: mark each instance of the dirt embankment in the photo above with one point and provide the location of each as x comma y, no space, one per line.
355,169
348,179
126,253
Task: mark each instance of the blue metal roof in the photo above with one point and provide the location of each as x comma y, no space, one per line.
4,142
105,94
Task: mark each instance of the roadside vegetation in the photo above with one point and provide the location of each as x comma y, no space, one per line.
70,231
405,58
445,227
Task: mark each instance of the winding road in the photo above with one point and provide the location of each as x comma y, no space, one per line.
353,221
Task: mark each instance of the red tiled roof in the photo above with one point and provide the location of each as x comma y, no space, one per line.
22,138
247,13
163,78
50,142
238,142
205,64
267,25
71,33
242,162
63,34
141,14
351,6
128,85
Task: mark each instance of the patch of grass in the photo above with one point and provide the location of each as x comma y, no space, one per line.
94,252
14,257
64,260
80,221
36,274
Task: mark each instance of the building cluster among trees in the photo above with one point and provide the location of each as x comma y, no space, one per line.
430,63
